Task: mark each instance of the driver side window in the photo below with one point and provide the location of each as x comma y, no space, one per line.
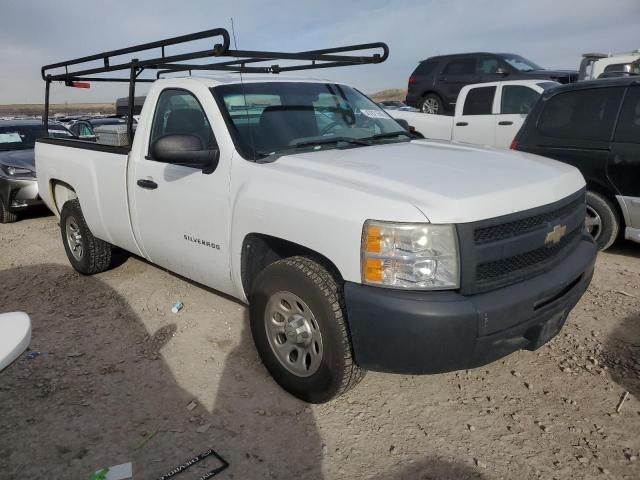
178,112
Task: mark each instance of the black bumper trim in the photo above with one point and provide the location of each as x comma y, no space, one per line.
415,332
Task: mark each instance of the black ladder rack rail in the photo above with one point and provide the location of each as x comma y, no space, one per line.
326,58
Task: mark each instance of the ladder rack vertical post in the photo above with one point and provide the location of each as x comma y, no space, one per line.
45,117
132,92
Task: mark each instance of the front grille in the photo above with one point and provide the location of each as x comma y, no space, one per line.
518,227
509,249
525,265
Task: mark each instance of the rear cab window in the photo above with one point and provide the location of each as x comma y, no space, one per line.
581,114
479,101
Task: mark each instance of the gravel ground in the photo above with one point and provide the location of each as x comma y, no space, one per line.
120,378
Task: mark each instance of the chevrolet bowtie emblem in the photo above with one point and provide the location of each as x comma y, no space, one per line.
555,235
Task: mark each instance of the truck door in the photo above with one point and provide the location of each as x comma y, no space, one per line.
474,122
516,101
180,215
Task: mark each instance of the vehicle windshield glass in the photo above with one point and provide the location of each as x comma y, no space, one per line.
23,137
520,63
274,118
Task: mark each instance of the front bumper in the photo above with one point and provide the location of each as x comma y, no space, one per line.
19,193
433,332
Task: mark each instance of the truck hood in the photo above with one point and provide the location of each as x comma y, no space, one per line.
448,182
562,76
19,158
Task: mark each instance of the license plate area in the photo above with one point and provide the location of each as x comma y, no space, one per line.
541,334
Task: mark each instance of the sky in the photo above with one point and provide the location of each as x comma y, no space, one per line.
552,33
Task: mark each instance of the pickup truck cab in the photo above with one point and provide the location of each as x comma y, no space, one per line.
485,114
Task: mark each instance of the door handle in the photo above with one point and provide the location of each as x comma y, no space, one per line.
462,124
148,184
506,122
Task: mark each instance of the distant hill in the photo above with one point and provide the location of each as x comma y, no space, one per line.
64,108
389,94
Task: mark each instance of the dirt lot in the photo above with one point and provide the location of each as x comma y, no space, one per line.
117,372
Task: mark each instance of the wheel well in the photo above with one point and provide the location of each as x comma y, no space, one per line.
62,192
259,251
606,193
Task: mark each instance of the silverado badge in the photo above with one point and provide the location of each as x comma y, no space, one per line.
555,235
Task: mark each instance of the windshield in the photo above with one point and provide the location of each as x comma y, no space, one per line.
280,117
23,137
520,63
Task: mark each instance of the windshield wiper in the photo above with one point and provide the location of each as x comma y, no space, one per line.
380,136
331,140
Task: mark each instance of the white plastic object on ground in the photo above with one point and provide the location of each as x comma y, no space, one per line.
15,336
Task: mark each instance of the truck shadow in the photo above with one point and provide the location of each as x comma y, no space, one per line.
432,469
622,354
99,393
625,248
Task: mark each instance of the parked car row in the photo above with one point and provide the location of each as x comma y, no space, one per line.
485,114
436,82
18,185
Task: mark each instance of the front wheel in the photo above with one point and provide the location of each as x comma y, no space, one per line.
86,253
602,220
298,324
432,104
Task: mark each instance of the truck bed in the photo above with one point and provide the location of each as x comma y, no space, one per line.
98,175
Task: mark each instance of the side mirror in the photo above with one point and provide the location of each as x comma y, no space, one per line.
184,150
502,71
403,123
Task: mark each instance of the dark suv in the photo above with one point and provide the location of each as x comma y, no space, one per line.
435,83
594,126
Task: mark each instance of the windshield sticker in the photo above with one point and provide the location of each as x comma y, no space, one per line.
374,113
10,138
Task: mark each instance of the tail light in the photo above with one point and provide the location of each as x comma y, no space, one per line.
514,144
412,79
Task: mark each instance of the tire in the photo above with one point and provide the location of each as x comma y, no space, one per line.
432,103
88,255
602,220
5,215
314,295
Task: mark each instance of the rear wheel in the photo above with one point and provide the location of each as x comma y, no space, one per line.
86,253
432,104
5,215
298,324
601,220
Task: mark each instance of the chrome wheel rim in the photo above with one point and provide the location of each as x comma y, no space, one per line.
593,223
430,105
293,333
74,238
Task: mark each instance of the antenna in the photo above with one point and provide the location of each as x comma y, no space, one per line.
244,94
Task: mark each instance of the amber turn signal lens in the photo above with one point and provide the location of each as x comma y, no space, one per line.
373,270
374,240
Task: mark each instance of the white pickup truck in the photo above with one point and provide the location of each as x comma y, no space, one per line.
486,113
356,246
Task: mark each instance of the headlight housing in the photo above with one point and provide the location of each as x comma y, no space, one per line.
16,171
412,256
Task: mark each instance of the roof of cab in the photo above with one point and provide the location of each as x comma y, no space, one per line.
590,84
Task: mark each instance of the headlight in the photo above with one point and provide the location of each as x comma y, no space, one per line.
16,171
410,255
